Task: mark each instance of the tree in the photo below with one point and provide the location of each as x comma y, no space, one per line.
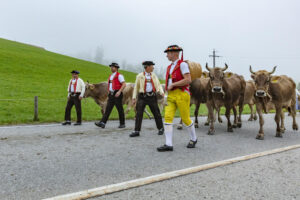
99,55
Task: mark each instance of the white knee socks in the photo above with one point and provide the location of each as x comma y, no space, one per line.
192,132
169,134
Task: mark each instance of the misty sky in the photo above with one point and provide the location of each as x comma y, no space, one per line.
262,33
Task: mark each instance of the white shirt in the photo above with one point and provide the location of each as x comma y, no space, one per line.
80,87
184,68
149,87
121,79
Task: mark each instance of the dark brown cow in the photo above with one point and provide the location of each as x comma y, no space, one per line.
274,92
250,99
225,91
99,93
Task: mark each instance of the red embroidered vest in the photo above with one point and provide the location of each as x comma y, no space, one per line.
175,76
116,85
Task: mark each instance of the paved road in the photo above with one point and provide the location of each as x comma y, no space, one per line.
43,161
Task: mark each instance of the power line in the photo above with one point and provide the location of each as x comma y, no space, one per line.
214,57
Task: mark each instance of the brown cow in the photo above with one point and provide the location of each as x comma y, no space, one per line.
250,99
198,97
99,93
225,91
274,92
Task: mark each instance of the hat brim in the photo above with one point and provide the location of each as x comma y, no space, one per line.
74,72
172,50
114,66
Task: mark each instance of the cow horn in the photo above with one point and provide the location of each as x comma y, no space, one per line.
207,67
273,70
226,67
250,68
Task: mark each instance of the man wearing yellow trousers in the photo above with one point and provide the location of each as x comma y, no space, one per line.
178,79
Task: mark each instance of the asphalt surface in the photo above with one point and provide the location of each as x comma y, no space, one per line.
44,161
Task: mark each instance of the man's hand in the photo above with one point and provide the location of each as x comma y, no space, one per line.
68,97
170,87
80,98
118,94
133,101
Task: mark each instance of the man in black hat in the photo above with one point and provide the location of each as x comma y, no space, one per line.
116,84
178,79
76,89
146,86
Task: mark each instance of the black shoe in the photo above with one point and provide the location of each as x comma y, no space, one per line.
66,123
165,148
161,131
77,124
134,134
122,126
100,124
191,144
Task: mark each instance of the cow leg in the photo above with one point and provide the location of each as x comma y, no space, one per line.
241,108
147,113
227,114
210,108
235,117
196,114
251,118
219,115
293,113
277,120
179,127
255,115
260,135
282,126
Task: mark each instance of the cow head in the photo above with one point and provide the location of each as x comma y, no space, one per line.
262,80
217,77
88,90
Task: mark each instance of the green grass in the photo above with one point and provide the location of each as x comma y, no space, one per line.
27,71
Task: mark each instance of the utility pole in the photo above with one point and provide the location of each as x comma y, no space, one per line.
214,57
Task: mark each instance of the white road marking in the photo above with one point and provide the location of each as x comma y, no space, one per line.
165,176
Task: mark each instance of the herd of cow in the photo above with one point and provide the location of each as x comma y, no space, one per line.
217,88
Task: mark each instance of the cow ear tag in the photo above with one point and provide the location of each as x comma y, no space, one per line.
275,79
228,75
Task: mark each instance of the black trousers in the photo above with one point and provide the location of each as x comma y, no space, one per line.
114,101
151,101
73,100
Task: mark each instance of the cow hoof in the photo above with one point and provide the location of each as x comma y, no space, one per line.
196,126
206,124
230,130
234,126
255,118
250,119
179,127
211,132
239,125
260,137
220,120
279,135
282,130
295,127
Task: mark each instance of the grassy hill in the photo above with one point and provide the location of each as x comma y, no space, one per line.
28,71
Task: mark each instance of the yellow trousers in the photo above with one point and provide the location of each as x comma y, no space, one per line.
181,100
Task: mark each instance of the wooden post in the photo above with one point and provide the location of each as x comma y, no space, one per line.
36,109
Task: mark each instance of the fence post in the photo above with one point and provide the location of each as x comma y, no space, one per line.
36,109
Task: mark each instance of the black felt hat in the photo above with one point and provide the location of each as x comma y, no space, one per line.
148,63
75,72
173,48
114,65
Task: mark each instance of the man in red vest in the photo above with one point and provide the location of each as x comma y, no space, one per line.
76,89
178,79
116,84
